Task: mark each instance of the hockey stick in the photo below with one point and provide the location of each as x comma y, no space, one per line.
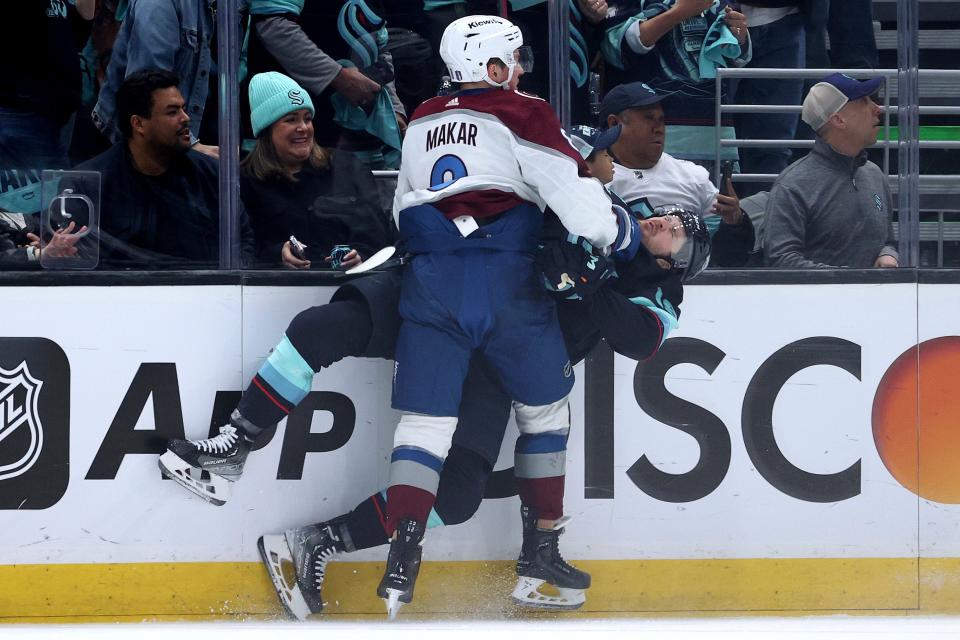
376,260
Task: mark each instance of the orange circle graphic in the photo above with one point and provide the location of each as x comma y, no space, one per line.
916,419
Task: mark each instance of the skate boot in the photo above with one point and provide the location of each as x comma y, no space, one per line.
297,563
207,467
540,564
403,564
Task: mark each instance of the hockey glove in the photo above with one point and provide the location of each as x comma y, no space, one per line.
572,268
625,247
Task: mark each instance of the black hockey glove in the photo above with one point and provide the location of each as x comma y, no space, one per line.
572,268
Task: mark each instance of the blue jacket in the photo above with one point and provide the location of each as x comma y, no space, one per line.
173,35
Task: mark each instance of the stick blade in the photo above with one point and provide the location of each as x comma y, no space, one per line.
373,261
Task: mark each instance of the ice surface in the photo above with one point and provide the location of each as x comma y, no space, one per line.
822,628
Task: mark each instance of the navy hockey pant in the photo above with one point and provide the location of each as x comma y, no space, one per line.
461,296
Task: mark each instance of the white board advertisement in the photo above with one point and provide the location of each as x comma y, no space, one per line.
752,435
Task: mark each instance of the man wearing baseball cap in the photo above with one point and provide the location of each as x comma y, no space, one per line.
833,207
646,177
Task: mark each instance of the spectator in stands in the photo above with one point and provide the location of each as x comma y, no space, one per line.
40,92
350,79
646,177
585,33
676,47
173,35
20,244
592,143
777,35
292,186
159,196
439,13
833,207
849,23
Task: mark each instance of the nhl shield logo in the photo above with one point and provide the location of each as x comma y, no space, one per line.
19,420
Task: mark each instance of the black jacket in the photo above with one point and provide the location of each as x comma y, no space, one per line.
325,207
160,222
13,241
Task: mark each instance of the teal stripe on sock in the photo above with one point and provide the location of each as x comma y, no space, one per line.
290,392
434,520
288,362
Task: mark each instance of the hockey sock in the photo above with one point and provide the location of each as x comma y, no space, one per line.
539,468
462,482
421,444
367,523
315,338
407,503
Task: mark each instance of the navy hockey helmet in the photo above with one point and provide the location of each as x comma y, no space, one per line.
691,257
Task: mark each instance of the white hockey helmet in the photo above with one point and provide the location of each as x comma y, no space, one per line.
469,43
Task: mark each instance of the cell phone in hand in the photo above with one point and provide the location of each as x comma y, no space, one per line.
726,172
297,248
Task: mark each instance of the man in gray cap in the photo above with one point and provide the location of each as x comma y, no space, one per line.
833,207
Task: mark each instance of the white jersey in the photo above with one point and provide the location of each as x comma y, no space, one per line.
670,181
481,152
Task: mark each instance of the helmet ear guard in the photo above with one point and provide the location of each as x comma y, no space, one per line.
693,256
469,43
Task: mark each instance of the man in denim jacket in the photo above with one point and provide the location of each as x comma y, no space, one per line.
174,35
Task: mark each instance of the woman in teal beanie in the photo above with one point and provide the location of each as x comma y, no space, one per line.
293,187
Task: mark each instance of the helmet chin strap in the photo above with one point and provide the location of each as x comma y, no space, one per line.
505,85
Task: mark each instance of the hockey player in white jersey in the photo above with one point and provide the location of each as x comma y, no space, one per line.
479,167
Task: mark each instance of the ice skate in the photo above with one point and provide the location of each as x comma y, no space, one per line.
547,581
297,563
207,467
403,564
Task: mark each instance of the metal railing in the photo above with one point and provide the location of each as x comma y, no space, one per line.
815,74
907,143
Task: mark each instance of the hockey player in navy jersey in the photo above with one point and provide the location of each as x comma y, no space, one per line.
479,167
633,311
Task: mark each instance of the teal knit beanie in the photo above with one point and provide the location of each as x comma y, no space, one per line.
272,96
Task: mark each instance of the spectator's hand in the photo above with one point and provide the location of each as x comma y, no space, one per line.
62,243
207,150
886,262
690,8
349,261
593,10
291,261
357,88
728,207
402,125
737,23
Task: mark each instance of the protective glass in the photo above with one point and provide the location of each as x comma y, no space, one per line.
69,219
524,57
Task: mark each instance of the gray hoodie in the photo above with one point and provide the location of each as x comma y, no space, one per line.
829,210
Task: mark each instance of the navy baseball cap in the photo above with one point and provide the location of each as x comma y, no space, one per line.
831,94
587,139
626,96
